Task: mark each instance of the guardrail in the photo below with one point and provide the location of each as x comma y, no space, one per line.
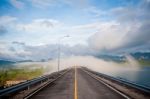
26,85
21,86
122,81
40,88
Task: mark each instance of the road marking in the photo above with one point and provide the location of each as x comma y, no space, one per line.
97,78
49,82
75,84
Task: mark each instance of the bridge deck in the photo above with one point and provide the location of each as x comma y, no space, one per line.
86,88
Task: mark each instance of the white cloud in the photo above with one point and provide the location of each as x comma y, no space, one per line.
132,14
45,30
6,23
122,33
49,31
108,36
43,3
96,64
119,36
129,30
13,51
6,20
19,51
56,3
17,3
95,12
39,25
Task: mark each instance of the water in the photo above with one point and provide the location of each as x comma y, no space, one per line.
141,76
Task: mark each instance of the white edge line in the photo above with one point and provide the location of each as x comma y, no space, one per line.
28,96
96,77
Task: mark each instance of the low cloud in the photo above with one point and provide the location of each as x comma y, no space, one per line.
20,50
107,67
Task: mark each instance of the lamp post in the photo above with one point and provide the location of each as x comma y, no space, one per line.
59,49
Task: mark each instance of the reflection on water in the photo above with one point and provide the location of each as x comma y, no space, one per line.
141,76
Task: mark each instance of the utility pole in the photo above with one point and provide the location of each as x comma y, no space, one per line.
59,50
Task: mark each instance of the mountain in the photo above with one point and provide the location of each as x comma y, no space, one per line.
6,62
120,58
24,61
141,55
116,58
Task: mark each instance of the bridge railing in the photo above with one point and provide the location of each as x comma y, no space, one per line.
21,86
123,81
25,85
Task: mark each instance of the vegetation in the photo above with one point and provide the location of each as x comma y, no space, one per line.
144,62
18,74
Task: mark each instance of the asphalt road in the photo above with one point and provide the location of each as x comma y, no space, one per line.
77,85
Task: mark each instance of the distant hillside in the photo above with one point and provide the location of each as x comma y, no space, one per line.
141,55
137,55
6,62
111,57
25,61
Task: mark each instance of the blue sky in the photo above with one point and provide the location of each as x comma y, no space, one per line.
96,25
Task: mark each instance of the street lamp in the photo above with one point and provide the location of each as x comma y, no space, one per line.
59,49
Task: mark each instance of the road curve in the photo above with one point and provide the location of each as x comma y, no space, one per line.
77,84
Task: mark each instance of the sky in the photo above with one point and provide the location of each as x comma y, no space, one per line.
33,29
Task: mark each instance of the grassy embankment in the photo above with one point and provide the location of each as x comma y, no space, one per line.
18,74
144,62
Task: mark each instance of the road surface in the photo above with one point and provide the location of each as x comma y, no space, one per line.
77,84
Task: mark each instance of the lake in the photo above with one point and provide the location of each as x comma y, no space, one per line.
141,76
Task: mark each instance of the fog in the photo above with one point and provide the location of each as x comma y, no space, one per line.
93,63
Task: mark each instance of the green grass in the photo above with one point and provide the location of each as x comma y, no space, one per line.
19,74
144,62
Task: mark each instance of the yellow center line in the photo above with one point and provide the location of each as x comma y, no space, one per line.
75,85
